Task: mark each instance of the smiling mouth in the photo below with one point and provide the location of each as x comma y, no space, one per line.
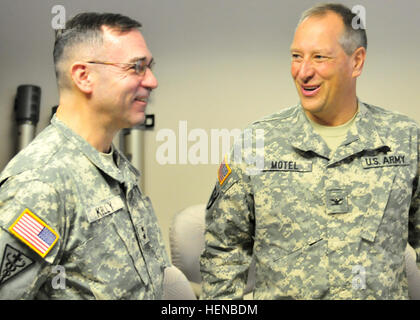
311,88
309,91
141,99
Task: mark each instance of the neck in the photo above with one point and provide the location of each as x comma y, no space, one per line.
77,115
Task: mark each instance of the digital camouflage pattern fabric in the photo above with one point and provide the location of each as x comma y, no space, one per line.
109,243
320,227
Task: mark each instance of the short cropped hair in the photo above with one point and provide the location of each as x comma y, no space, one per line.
352,38
85,29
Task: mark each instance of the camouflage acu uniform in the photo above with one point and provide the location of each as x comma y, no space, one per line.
320,227
109,243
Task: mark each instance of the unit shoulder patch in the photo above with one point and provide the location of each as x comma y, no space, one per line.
34,232
213,197
12,263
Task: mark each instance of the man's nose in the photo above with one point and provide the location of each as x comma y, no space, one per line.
306,71
149,80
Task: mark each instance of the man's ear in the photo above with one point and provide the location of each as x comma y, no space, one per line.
82,77
358,60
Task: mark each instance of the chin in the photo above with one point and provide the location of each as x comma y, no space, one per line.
139,119
312,105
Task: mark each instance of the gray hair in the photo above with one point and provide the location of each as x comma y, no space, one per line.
352,38
85,29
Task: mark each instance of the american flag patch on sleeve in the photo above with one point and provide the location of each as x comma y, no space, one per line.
224,171
34,232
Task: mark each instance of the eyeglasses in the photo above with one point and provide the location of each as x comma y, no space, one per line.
140,66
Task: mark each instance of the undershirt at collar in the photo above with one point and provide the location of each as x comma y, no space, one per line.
109,157
333,135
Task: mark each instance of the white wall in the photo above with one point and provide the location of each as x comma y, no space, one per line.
220,64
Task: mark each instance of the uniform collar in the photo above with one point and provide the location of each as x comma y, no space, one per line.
366,130
125,171
304,138
362,136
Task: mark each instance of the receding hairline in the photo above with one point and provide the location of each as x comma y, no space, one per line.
321,15
351,37
316,12
348,39
109,32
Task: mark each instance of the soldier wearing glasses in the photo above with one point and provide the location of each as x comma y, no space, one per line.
70,199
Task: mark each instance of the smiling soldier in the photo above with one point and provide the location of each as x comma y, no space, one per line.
330,215
70,199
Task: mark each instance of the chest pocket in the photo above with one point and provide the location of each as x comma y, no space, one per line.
391,177
386,214
284,201
110,262
376,207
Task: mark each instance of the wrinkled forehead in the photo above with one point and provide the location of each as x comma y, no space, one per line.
127,45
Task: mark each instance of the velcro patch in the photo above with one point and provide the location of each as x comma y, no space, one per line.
336,200
385,161
224,171
105,208
282,165
34,232
13,262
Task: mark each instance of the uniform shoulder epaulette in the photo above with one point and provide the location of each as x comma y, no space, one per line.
29,159
395,115
281,115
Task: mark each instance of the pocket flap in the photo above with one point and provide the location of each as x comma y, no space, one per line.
376,209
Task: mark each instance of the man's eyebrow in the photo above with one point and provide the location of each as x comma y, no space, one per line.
314,51
135,59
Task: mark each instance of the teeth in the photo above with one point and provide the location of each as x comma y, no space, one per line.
311,88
